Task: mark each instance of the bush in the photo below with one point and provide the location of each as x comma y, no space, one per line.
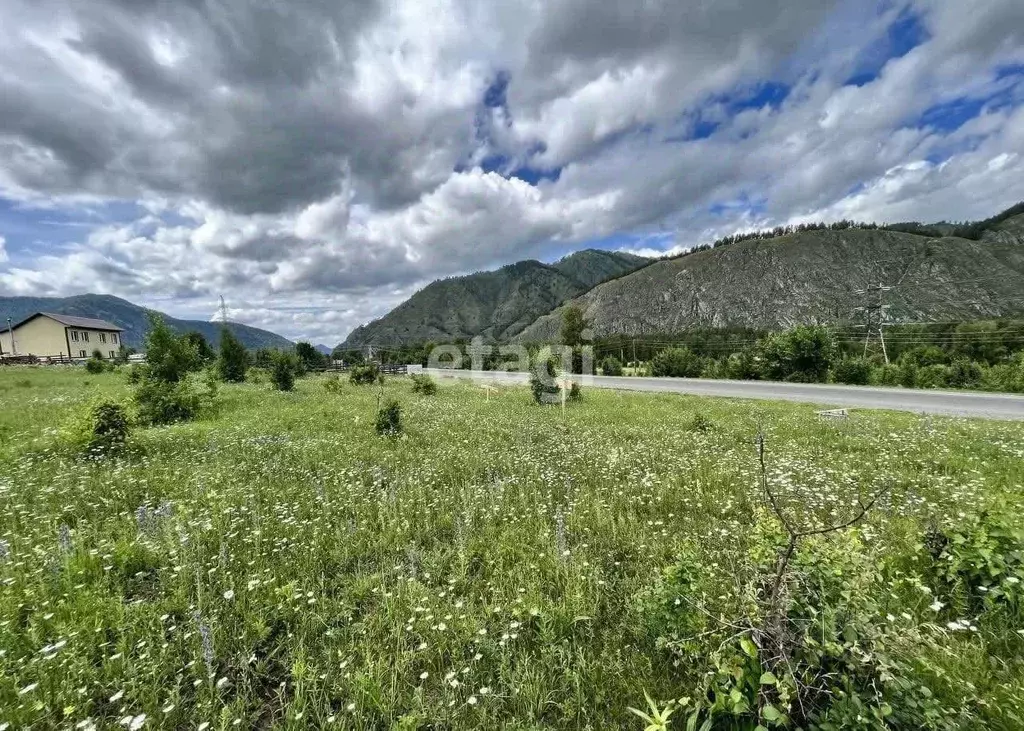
743,366
836,660
282,373
363,375
611,366
137,373
700,423
887,375
979,562
1005,376
169,358
161,402
96,365
424,384
389,419
109,426
964,373
803,354
854,371
332,384
677,363
575,393
543,381
924,355
233,360
103,428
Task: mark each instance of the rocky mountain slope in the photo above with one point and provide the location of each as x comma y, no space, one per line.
132,318
495,305
813,277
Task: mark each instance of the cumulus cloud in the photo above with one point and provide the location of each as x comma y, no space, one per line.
315,160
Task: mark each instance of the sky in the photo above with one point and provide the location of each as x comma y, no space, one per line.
318,161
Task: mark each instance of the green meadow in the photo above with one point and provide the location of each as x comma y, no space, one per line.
277,564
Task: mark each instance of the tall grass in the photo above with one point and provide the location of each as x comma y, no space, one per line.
277,564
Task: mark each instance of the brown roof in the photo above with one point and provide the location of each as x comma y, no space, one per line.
88,323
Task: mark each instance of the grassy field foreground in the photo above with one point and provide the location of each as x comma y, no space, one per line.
277,564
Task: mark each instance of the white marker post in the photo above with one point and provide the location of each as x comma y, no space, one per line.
487,390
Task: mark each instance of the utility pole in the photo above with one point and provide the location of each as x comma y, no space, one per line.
223,311
875,316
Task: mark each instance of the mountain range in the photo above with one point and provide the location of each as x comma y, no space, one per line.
811,274
133,319
820,276
495,305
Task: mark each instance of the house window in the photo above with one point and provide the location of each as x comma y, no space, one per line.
85,337
113,338
103,337
81,353
74,335
111,354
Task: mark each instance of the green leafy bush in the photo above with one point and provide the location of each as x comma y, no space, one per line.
853,371
980,558
575,392
363,375
389,419
700,423
282,373
743,366
677,363
543,381
924,355
233,360
102,428
803,354
964,373
332,384
162,402
611,366
96,364
423,384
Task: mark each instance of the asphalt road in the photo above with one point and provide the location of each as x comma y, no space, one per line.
948,403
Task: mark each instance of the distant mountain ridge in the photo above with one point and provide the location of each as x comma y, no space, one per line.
132,318
495,305
817,275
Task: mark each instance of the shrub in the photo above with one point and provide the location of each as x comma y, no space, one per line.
233,360
109,426
389,419
169,358
924,355
935,376
424,384
611,366
834,661
137,373
96,365
887,375
575,392
102,428
700,423
677,363
282,373
332,384
854,371
363,375
543,381
979,561
803,354
162,402
964,373
743,366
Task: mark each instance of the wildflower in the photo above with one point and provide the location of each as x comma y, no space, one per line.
28,688
229,594
472,700
424,675
117,696
937,605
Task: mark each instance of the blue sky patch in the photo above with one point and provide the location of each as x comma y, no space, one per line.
905,34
